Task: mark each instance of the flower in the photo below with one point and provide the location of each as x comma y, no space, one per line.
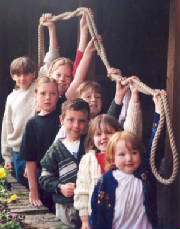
13,214
12,198
2,172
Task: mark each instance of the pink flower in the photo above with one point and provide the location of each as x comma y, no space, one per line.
13,214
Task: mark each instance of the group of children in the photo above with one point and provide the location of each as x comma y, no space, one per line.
86,164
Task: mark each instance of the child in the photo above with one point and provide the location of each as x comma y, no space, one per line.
124,195
62,69
22,70
60,163
40,132
92,93
92,164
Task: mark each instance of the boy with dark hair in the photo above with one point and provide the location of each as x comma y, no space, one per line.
60,163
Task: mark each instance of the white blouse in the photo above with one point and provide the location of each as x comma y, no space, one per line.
129,210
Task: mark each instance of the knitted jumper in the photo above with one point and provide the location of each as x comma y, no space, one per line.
59,167
89,168
20,106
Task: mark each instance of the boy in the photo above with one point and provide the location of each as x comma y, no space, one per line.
20,106
60,163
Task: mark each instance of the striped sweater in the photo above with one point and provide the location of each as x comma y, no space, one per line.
59,167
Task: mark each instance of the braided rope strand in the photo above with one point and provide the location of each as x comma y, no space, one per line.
141,87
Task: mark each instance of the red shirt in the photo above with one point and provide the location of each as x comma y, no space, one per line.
101,160
78,58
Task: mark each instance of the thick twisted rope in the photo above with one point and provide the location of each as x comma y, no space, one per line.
139,85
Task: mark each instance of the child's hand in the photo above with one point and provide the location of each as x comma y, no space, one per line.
44,20
114,71
8,165
134,91
67,189
25,173
83,23
120,91
157,100
34,199
90,46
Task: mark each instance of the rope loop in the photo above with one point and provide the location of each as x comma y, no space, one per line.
141,87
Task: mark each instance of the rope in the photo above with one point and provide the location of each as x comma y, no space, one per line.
165,113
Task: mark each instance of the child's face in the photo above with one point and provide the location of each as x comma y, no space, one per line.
22,80
75,123
94,99
63,76
126,159
46,97
102,136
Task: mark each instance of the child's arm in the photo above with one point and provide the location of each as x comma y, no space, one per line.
53,52
82,70
6,151
133,121
33,186
53,43
117,103
83,40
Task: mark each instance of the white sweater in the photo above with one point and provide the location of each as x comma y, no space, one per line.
20,106
50,56
89,168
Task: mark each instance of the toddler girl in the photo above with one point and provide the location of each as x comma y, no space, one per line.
124,196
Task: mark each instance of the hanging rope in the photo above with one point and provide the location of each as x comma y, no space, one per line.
165,113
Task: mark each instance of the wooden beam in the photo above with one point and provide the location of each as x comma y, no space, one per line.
168,196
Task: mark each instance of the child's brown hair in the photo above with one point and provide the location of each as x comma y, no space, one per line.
44,79
76,105
89,84
131,141
22,65
103,119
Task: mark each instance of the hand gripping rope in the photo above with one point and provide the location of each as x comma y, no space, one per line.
165,112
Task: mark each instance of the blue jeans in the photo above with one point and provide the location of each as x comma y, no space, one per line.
19,167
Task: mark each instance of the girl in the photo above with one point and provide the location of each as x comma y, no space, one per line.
22,70
124,196
39,134
92,164
62,69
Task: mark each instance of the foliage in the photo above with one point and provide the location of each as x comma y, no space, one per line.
11,225
6,196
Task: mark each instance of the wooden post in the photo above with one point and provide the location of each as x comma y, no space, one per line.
168,196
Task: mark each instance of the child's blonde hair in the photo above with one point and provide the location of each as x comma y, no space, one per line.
89,84
76,104
22,65
103,119
131,141
44,79
59,62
